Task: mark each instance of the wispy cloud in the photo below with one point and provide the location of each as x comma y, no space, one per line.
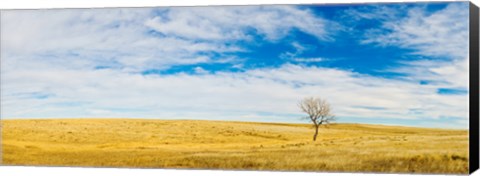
239,23
315,59
440,37
227,95
84,38
441,33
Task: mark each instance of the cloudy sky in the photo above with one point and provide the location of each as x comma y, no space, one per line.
396,64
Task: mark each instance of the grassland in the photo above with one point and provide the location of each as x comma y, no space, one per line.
233,145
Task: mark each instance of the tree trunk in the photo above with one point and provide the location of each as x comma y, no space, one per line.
316,133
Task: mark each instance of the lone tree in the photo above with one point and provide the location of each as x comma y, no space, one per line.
318,110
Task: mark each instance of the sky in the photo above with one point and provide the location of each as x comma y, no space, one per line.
395,64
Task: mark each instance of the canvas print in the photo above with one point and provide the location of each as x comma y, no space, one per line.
324,88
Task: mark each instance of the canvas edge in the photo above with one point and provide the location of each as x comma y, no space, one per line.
474,89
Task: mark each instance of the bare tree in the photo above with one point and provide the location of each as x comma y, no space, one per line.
318,110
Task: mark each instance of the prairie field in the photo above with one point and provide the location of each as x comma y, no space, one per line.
233,146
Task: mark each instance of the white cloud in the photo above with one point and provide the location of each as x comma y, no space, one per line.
84,38
441,33
240,23
299,49
200,70
146,38
444,74
222,95
314,59
441,37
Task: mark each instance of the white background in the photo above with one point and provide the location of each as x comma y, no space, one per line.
53,171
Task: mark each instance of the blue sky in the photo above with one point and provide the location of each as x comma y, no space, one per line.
398,64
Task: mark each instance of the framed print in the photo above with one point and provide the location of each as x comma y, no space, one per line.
358,88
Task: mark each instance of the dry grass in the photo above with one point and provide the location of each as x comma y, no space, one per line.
233,145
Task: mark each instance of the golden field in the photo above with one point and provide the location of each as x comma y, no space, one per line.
233,145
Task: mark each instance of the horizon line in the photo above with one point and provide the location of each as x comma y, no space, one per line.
235,121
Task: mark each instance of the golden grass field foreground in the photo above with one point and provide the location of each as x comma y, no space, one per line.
233,145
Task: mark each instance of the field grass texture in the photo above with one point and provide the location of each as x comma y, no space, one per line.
233,146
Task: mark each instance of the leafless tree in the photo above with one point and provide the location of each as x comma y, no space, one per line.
318,110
